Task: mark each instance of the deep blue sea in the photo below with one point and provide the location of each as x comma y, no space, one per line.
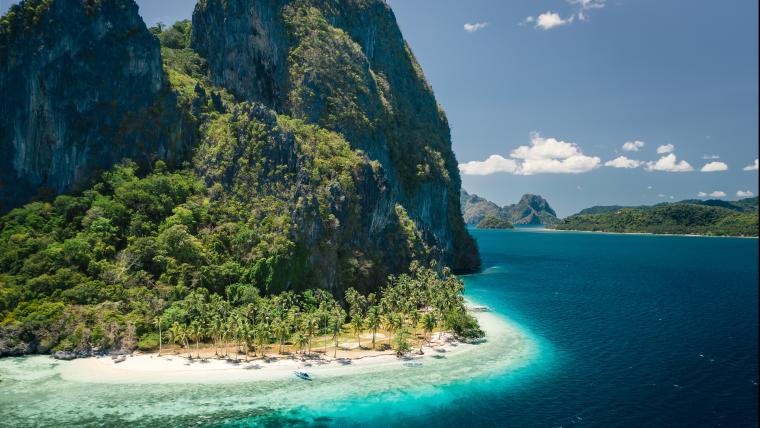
623,331
643,330
634,331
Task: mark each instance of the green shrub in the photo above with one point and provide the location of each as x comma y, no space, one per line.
464,325
148,342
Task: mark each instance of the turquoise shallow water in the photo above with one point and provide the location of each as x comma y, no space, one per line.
625,330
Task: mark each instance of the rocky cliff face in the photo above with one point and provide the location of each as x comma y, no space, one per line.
475,208
82,87
312,117
531,209
346,229
345,66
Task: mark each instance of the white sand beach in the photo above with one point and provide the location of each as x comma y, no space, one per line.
502,337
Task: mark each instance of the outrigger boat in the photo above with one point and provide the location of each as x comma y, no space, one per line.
302,375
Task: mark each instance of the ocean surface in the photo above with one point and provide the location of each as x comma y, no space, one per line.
625,330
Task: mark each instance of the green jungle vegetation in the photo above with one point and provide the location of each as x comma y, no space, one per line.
206,252
677,218
133,256
493,221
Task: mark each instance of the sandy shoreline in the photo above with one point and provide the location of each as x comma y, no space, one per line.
685,235
149,368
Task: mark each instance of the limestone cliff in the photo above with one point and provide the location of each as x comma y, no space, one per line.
82,87
312,117
531,209
345,66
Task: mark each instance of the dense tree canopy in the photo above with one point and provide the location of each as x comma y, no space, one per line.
132,255
680,218
245,242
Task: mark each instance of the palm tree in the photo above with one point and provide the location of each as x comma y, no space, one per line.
414,316
215,328
325,317
357,323
262,337
179,334
226,331
196,332
357,304
157,322
174,332
388,324
281,329
429,322
237,331
398,322
312,326
338,318
373,321
301,340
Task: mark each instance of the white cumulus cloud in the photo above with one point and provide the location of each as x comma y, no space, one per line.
666,148
669,163
542,156
588,4
623,162
718,194
751,167
633,146
471,28
745,194
492,165
549,155
714,167
702,194
549,20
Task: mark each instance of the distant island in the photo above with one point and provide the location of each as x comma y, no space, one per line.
531,209
493,221
689,217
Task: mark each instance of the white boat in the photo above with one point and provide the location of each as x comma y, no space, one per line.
302,375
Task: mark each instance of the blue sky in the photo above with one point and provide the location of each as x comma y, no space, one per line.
545,104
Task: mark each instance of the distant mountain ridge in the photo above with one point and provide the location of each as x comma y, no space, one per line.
531,209
694,217
742,205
